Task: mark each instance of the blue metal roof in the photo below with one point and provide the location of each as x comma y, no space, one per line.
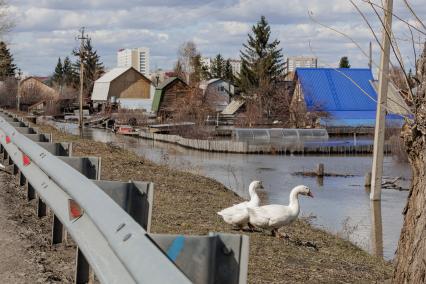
331,90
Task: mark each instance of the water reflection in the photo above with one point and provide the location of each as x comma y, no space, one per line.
320,181
376,228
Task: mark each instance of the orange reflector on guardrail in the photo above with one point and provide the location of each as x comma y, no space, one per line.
75,210
25,160
8,140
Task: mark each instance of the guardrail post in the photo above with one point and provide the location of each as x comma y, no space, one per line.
31,194
22,179
41,208
57,231
82,269
15,169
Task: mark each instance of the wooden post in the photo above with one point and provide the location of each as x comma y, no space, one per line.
320,170
379,131
376,228
367,182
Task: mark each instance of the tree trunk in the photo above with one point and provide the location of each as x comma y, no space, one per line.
410,266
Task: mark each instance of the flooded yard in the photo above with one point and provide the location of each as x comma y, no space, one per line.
341,204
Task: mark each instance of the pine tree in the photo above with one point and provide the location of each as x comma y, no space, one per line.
58,75
344,62
92,64
7,67
228,75
218,67
200,71
261,60
68,73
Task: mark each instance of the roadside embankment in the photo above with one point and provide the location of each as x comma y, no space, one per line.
26,253
185,203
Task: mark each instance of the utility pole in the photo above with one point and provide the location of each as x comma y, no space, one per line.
82,39
18,93
379,131
370,58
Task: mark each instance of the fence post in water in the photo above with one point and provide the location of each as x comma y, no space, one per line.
320,170
367,182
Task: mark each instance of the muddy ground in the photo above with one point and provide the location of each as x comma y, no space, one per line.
26,254
185,203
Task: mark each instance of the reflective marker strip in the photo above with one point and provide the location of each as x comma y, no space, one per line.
75,210
25,160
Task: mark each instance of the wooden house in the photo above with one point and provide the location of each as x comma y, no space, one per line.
125,86
167,94
32,91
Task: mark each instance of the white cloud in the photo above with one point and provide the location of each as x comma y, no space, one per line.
46,29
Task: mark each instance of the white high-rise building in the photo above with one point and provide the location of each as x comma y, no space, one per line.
137,58
206,61
294,62
236,66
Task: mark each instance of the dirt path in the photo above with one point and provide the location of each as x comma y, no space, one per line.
25,252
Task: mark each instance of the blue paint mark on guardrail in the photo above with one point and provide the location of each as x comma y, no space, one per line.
176,247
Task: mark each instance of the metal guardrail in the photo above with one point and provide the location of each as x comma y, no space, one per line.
117,247
114,218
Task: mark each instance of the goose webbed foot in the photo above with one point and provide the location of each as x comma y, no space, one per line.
251,228
283,236
279,235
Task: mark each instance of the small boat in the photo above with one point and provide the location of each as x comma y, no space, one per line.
125,130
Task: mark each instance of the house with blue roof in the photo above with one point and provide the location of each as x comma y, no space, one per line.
347,96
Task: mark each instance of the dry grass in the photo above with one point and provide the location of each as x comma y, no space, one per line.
185,203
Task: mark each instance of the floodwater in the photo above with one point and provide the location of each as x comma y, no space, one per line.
341,204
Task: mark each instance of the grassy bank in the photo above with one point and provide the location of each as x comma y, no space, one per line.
185,203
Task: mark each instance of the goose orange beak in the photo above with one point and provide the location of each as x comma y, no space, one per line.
310,194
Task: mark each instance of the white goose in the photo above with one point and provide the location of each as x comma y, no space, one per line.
237,214
275,216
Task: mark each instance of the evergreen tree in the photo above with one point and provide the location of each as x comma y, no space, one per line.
200,71
7,68
92,64
68,72
218,67
261,60
58,75
227,72
344,62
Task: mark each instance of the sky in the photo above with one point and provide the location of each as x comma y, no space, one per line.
47,29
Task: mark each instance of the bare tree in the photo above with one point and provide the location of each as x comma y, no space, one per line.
253,114
187,52
8,91
410,265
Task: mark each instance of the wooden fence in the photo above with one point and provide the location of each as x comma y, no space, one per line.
229,146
